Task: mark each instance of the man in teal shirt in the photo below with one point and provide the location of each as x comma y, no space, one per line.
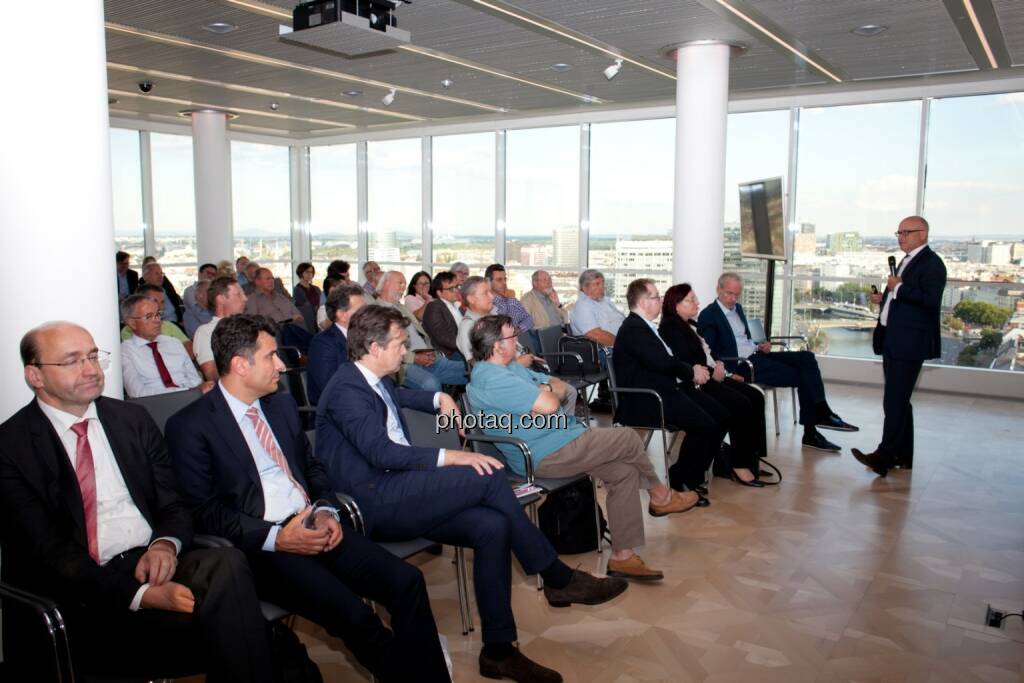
512,400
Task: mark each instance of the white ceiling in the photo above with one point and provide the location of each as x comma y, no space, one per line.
163,41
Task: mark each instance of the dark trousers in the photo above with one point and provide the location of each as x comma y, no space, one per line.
329,588
457,506
743,406
703,419
793,369
898,427
226,635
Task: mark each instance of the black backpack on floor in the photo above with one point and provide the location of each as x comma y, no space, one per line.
567,519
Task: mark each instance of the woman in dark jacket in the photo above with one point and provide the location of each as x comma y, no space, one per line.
743,403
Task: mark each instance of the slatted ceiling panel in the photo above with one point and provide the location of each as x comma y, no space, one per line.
1011,19
921,38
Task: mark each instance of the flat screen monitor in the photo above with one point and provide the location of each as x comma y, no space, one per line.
761,222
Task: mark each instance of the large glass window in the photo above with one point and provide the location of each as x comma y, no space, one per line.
542,207
463,202
334,214
972,204
126,177
632,166
261,206
395,205
174,207
857,180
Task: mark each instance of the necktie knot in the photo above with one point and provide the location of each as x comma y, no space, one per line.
151,344
253,414
81,428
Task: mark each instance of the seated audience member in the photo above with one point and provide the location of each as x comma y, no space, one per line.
268,302
542,302
322,321
249,275
422,368
225,269
241,266
90,518
247,468
595,317
441,317
479,300
372,272
305,293
329,348
225,298
198,314
461,271
642,360
173,308
418,295
616,455
743,404
338,269
207,272
447,496
153,363
505,302
156,294
724,327
127,279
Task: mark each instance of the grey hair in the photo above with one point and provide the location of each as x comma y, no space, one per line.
129,303
726,276
470,285
536,274
459,266
588,276
149,266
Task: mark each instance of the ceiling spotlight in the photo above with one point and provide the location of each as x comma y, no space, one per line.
561,67
352,93
613,70
869,30
274,106
389,98
447,83
112,100
219,27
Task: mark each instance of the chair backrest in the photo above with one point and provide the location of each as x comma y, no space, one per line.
549,337
587,350
311,435
290,355
162,406
530,341
756,328
613,384
424,431
291,382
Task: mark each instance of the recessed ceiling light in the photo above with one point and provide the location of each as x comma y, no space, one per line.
869,30
561,67
447,83
274,106
219,27
352,93
112,100
389,98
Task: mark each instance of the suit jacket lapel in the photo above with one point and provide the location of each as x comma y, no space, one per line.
128,457
229,431
59,483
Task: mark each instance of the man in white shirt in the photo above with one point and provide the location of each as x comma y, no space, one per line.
595,317
153,363
225,297
89,516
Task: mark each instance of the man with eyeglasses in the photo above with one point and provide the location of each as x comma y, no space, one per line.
906,335
156,295
89,517
373,272
442,316
153,363
724,327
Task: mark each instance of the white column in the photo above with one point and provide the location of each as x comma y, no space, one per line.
55,195
702,95
211,154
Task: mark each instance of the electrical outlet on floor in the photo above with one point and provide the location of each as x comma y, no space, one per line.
994,617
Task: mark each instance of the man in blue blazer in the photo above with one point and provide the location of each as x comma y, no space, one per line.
246,467
724,327
454,497
329,348
907,334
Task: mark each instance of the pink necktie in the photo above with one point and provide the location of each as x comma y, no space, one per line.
267,441
86,473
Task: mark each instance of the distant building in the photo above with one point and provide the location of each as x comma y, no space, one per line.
533,255
845,243
566,240
384,246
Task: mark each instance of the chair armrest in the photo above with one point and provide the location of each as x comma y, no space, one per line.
571,354
53,622
517,442
741,361
307,409
783,341
649,392
349,505
211,541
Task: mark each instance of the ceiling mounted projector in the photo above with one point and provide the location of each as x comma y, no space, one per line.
353,28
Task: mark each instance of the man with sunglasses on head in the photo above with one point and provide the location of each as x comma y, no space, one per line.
89,517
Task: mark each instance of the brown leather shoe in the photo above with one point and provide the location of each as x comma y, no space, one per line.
872,460
519,668
633,568
585,589
681,501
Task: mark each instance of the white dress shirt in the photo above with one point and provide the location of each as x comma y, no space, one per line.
138,366
281,498
744,347
883,317
201,341
590,314
119,524
395,431
453,308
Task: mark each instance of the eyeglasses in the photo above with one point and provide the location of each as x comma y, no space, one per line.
148,316
100,359
448,289
514,336
904,233
654,298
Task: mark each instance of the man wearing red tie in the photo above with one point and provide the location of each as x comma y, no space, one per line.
90,518
153,363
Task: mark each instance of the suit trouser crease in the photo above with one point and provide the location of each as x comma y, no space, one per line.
898,426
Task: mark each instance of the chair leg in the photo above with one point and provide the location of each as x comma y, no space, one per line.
597,517
461,578
792,391
586,407
775,402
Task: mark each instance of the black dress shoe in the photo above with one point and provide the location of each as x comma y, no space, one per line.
518,667
835,422
872,460
753,483
905,463
819,443
585,589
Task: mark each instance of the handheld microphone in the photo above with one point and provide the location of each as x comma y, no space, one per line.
892,266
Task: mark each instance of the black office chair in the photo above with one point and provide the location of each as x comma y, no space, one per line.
293,381
757,335
565,356
162,406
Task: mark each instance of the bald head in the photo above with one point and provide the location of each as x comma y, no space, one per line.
63,366
912,233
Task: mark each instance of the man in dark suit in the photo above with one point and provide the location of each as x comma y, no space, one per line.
907,334
127,279
724,327
174,307
247,468
442,316
449,496
90,518
329,348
